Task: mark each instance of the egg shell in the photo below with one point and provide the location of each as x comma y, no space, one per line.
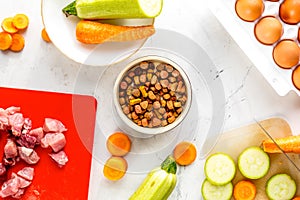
286,53
289,11
268,30
249,10
296,77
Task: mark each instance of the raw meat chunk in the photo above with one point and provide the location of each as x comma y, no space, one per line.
60,158
38,133
27,140
27,173
10,149
53,125
16,121
28,155
56,141
10,187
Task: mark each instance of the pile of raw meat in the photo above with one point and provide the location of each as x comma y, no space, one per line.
20,146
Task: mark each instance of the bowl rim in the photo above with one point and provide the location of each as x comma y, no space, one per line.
153,130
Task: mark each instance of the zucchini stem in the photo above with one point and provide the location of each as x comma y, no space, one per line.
169,165
70,9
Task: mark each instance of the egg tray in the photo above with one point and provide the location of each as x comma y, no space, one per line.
260,54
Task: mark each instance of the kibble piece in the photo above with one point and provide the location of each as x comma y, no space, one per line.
134,116
151,95
163,103
164,74
179,87
143,91
170,105
136,80
153,80
144,105
157,86
164,83
129,116
148,115
173,86
156,122
169,68
177,104
136,92
160,66
162,111
137,71
171,119
131,74
144,65
156,105
165,90
122,101
139,122
123,85
164,123
175,73
143,78
128,80
138,109
151,65
145,122
134,101
149,76
179,110
157,114
167,96
126,110
172,79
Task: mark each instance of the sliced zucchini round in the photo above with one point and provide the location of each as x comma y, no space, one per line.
254,163
219,168
281,186
216,192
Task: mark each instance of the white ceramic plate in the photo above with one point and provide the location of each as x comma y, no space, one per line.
61,30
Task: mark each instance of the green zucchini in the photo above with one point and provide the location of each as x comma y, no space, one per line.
219,192
219,168
281,186
113,9
159,183
254,163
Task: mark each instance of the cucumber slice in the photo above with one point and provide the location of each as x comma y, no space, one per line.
254,163
281,186
219,168
216,192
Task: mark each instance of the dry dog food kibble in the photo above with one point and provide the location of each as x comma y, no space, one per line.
152,94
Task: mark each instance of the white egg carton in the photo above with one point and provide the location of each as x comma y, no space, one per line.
260,55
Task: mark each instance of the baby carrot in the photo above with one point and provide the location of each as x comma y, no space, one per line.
18,42
5,40
184,153
289,144
244,190
7,25
20,21
118,144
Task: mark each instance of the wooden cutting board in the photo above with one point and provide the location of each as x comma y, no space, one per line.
77,112
235,141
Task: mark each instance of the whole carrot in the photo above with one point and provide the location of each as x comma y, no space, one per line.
289,144
92,32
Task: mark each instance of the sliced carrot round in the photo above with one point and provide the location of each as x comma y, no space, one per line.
18,42
296,198
45,35
7,25
118,144
244,190
5,40
20,21
185,153
115,168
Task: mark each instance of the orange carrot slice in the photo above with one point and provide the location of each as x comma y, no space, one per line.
115,168
296,198
244,190
185,153
5,40
18,42
92,32
45,35
20,21
7,25
289,144
118,144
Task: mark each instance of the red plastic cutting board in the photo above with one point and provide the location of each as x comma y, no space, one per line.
77,112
